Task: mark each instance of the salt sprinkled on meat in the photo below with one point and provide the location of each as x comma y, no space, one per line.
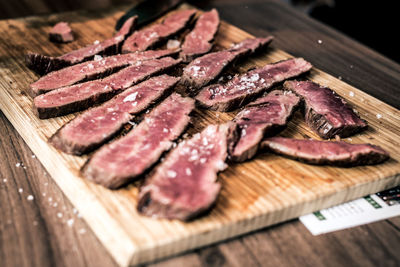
171,174
320,41
90,66
165,130
203,160
351,93
97,58
188,171
4,180
20,190
131,97
59,215
96,42
30,198
378,116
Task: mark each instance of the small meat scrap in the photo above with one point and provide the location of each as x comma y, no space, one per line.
184,185
151,36
207,68
243,88
199,40
90,70
97,125
264,117
130,156
44,64
326,152
81,96
326,113
61,33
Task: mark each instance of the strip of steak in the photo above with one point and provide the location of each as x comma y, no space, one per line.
326,152
81,96
151,36
265,117
130,156
90,70
61,33
184,185
199,40
97,125
44,64
242,89
207,68
326,112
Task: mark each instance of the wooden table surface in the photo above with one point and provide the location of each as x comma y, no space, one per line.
39,226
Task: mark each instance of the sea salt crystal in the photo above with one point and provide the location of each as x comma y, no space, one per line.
188,171
113,119
320,41
50,199
30,198
96,42
33,156
70,222
243,132
203,160
165,130
221,165
18,165
20,190
55,204
378,116
4,180
98,57
59,215
205,141
173,44
351,93
171,174
90,66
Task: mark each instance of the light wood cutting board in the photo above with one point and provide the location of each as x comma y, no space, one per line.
255,194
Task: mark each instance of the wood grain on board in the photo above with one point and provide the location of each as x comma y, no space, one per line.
254,194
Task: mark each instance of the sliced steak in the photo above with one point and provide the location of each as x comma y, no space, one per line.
199,40
90,70
207,68
326,112
81,96
265,117
61,33
326,152
97,125
44,64
151,36
242,89
130,156
184,184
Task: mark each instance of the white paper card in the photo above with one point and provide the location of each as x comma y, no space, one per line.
361,211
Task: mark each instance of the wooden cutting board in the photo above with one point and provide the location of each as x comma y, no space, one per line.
255,194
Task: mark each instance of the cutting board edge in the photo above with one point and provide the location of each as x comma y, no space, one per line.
248,225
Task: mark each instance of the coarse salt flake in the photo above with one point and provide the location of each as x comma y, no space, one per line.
18,165
188,171
319,41
59,215
351,93
378,116
171,174
20,190
70,222
30,198
98,57
96,42
131,97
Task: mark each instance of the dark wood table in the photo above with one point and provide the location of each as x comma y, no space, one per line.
36,232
